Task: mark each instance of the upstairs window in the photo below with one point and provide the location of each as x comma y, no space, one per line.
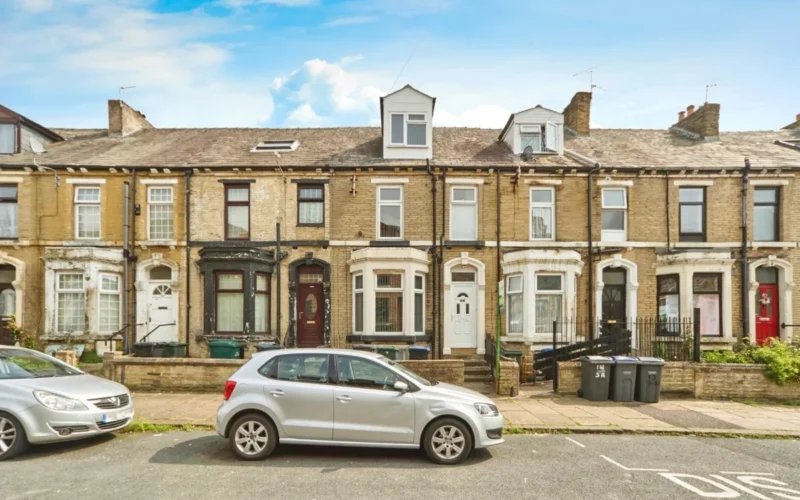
8,211
464,214
87,213
237,211
8,138
542,213
310,205
409,129
766,213
692,214
159,213
390,212
615,215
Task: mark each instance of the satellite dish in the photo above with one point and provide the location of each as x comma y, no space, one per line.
527,153
36,146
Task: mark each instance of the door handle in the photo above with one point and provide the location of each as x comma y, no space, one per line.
344,399
277,392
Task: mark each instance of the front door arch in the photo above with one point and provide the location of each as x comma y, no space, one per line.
309,302
782,291
464,308
157,290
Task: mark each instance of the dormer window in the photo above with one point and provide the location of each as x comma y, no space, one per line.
275,146
409,129
540,129
8,138
531,135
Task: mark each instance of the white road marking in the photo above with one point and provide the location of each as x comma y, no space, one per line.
575,442
748,473
739,486
634,469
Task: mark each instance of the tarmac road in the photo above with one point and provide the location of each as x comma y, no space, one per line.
198,465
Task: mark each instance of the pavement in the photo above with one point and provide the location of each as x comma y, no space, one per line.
199,465
542,411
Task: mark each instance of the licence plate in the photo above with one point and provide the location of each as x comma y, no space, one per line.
113,417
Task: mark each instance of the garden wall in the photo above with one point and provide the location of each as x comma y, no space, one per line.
701,380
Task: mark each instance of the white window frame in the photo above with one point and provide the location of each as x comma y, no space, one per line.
15,137
82,203
406,121
614,234
151,202
474,203
60,290
101,292
531,130
401,290
510,292
357,291
561,291
380,204
551,205
551,138
419,291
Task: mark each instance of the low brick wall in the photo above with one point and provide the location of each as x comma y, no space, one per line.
701,380
507,384
209,375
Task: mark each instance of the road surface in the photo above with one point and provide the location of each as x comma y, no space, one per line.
198,465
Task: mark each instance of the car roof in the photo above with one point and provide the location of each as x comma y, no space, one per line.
317,350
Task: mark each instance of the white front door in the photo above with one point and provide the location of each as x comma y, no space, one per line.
161,311
464,315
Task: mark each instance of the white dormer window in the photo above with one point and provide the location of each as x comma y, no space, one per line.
540,129
409,129
531,135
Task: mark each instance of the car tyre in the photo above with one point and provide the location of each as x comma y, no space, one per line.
253,437
13,440
447,441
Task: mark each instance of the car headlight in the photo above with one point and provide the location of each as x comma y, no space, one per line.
486,409
59,403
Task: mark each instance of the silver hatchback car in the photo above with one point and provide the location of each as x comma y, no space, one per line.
350,398
43,400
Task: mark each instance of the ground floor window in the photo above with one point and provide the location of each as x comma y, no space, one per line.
262,303
669,304
707,301
419,303
389,303
549,302
109,311
230,302
515,296
71,303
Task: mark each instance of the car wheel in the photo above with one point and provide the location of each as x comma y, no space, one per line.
13,441
448,441
253,437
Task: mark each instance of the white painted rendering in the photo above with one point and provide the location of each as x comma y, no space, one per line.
544,182
785,286
529,263
18,284
685,265
608,181
409,261
464,263
150,301
769,182
407,101
92,262
693,183
464,181
86,180
389,180
631,287
11,180
534,116
147,182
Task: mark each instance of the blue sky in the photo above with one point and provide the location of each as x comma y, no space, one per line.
276,63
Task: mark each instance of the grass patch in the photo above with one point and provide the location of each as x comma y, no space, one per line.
148,427
508,431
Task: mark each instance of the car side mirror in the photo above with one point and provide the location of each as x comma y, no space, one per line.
400,386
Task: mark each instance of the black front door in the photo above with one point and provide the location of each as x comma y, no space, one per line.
613,317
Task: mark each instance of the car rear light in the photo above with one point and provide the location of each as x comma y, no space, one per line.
230,385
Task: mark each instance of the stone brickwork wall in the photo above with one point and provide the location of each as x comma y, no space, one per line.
704,121
705,381
450,371
508,382
578,112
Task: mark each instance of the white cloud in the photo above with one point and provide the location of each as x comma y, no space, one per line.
282,3
35,5
347,21
304,116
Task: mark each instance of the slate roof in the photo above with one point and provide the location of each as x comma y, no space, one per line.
362,147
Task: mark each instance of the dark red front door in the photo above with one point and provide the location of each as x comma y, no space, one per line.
766,313
310,307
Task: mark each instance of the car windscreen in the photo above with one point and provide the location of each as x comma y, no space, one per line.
21,363
413,376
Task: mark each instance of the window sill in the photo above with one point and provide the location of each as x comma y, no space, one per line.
389,243
415,146
465,243
322,224
157,243
410,338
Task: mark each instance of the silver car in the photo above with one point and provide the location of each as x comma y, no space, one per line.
350,398
43,400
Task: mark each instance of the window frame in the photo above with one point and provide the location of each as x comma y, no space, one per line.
509,293
60,290
83,203
268,294
357,291
401,290
419,292
719,277
10,201
531,130
777,204
561,292
217,274
473,203
664,330
321,199
406,121
615,234
551,205
229,204
17,133
380,203
150,203
101,292
696,237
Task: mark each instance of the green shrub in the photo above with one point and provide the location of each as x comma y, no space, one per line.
91,357
781,361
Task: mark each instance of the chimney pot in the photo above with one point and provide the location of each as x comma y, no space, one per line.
689,110
681,115
797,117
577,113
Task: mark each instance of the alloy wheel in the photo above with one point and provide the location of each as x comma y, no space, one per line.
251,438
8,435
448,442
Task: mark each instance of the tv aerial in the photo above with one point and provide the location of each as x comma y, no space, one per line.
592,85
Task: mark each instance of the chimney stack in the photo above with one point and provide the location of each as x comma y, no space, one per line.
689,110
578,112
795,125
123,120
700,124
681,115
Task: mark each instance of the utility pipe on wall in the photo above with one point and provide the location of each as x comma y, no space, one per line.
126,202
590,202
188,251
745,267
433,251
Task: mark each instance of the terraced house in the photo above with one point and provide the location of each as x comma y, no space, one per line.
400,234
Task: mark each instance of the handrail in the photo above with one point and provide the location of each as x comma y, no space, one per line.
154,329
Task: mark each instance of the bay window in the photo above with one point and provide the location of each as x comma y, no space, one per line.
707,302
109,307
388,303
230,302
464,214
515,297
549,302
261,303
71,303
542,213
419,304
358,303
669,304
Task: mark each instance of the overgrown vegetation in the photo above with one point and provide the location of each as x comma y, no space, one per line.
90,357
144,426
781,361
25,339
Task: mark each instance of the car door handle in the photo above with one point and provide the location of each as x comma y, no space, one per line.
277,393
344,399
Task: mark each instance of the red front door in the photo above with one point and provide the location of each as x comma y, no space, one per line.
310,307
766,313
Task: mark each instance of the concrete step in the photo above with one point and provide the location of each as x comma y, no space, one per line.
475,362
477,369
477,378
